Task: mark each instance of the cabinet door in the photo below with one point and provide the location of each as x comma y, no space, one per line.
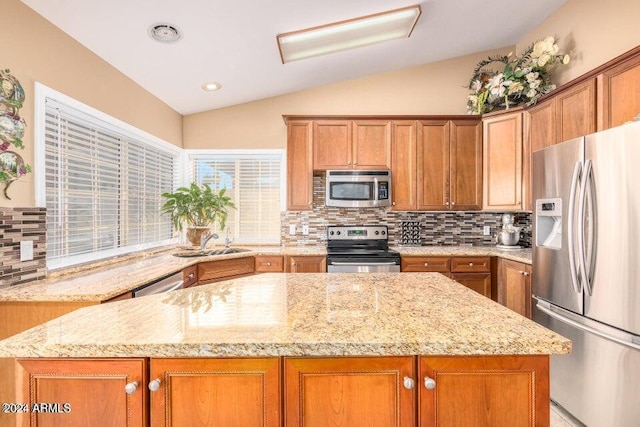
514,286
299,166
349,391
225,268
497,391
305,264
466,165
620,101
576,111
502,162
190,276
371,144
542,125
421,263
479,282
332,144
216,392
403,165
433,165
94,391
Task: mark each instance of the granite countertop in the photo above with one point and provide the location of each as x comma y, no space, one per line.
301,314
108,280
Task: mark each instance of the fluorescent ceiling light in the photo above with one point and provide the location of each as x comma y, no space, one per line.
349,34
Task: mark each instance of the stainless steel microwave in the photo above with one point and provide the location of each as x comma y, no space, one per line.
358,189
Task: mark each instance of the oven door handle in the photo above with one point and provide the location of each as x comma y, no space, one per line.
362,263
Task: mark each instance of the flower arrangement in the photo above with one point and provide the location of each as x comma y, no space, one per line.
523,79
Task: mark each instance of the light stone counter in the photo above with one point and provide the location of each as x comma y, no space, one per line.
312,314
520,255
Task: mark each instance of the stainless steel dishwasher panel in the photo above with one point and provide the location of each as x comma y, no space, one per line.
170,283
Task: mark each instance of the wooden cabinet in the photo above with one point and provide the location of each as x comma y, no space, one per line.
371,144
403,165
499,391
216,392
87,392
619,99
514,286
332,144
576,111
502,161
436,164
190,275
269,264
428,264
212,271
473,272
350,391
305,264
299,165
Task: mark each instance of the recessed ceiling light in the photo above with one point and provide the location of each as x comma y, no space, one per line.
349,34
165,33
211,86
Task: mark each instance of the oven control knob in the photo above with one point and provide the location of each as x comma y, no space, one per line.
338,233
377,232
383,232
331,233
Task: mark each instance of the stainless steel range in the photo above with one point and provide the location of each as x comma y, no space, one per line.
360,249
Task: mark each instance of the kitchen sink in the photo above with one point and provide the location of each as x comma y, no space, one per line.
209,252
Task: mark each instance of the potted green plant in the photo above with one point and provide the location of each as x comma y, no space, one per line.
199,207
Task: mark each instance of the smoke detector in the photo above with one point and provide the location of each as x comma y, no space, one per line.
165,33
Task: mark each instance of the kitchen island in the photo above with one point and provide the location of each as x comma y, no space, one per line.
312,349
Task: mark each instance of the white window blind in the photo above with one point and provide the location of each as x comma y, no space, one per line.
253,180
103,188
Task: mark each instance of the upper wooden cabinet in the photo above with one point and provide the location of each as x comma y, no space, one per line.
619,101
299,165
436,164
351,144
502,161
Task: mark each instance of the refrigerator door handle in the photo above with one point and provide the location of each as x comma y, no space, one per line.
571,228
547,310
585,263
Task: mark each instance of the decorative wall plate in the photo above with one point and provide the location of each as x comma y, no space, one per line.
12,167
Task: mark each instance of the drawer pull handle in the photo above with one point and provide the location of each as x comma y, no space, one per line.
470,264
268,264
155,384
426,264
429,383
131,388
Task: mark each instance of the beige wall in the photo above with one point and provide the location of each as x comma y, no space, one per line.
436,88
592,31
35,50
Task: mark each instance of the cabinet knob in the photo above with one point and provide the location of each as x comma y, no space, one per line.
426,264
453,203
394,203
520,272
409,383
190,276
429,383
446,203
470,264
293,264
131,388
268,264
525,273
155,384
348,163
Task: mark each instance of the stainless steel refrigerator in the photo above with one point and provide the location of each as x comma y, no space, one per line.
586,271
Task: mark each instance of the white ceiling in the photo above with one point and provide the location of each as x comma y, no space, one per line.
234,42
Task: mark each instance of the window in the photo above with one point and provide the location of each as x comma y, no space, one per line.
253,180
101,181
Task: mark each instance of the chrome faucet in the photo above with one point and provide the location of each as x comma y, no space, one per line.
227,241
204,239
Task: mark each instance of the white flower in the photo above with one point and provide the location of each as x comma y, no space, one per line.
544,58
566,59
473,100
531,93
496,85
538,48
532,76
554,49
476,86
549,40
534,84
515,87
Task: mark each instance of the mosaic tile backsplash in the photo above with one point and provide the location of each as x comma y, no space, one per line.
432,228
16,225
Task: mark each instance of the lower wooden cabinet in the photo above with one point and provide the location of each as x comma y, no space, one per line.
479,282
497,391
215,392
87,392
350,391
213,271
269,264
514,286
305,264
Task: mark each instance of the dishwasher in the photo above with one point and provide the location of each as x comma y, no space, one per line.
169,283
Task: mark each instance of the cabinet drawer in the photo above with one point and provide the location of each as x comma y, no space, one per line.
269,264
419,263
470,264
190,276
208,271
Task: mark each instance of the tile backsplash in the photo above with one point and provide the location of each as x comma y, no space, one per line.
433,228
16,225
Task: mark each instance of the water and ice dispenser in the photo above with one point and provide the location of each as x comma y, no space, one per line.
549,223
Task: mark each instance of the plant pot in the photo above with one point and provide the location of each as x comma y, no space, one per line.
195,234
